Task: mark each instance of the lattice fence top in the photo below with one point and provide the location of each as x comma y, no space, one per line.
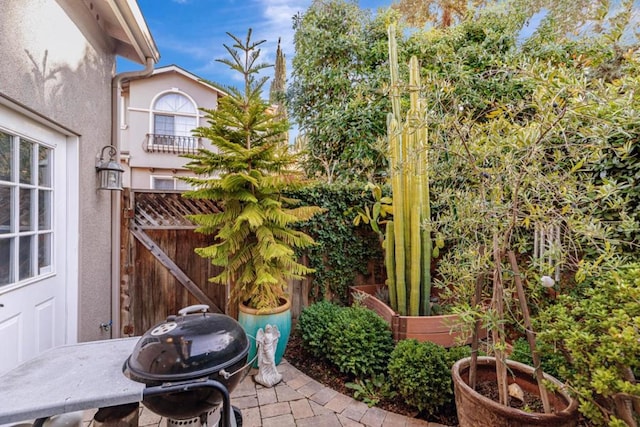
168,209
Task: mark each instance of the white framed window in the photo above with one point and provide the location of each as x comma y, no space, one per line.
174,116
26,209
168,183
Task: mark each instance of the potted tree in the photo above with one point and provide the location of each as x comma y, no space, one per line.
523,167
517,186
255,238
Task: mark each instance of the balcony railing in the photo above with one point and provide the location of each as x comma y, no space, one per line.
156,143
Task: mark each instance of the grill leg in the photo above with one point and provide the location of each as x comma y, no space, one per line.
237,416
225,421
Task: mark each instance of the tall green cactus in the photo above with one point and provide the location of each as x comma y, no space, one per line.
408,239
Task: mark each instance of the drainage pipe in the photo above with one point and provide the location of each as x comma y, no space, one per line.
116,201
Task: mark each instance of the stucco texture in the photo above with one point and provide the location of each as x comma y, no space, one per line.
56,70
140,98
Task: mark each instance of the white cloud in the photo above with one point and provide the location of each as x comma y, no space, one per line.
196,49
269,20
278,21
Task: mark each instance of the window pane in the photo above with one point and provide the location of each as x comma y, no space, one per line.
6,154
163,125
26,161
6,262
163,184
26,208
6,208
181,185
26,214
184,125
44,166
175,103
25,257
44,209
44,251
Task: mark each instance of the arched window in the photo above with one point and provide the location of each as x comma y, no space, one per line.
174,118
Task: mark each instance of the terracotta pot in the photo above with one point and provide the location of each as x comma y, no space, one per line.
476,410
443,329
252,320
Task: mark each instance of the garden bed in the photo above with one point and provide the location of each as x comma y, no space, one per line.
444,330
327,374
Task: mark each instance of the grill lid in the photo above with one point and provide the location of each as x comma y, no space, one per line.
188,346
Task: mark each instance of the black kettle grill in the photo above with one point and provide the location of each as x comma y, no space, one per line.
190,363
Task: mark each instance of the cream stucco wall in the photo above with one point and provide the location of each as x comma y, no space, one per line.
137,124
61,73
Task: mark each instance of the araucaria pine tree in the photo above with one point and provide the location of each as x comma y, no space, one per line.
247,173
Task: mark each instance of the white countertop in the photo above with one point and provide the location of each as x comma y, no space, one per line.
69,378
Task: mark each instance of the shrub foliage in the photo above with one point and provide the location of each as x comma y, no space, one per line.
421,372
598,330
359,342
342,250
313,323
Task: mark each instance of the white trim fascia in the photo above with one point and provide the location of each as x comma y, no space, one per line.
182,71
32,114
130,18
73,238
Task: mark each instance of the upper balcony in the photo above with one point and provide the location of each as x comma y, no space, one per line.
156,143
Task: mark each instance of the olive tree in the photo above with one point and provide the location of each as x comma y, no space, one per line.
533,135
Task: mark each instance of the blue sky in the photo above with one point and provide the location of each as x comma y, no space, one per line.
190,33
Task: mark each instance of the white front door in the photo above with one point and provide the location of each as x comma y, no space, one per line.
33,232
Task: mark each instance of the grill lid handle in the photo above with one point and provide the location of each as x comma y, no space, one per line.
203,308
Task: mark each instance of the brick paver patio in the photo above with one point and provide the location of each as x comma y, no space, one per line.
298,400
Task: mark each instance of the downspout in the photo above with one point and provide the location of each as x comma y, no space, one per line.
116,201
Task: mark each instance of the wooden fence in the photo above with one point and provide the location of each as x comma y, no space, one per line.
160,272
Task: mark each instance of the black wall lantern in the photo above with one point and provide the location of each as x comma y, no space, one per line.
109,171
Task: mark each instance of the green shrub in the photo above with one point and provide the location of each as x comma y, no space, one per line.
313,324
342,250
359,342
599,332
421,372
550,359
456,353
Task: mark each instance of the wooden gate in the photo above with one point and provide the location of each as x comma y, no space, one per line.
160,272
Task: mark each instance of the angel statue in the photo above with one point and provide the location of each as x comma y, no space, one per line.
267,341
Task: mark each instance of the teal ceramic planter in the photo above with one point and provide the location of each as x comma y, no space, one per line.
251,321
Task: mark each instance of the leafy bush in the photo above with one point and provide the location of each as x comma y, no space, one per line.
421,372
313,324
456,353
599,332
550,358
342,250
359,342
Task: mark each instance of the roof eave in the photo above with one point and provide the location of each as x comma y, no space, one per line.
177,69
135,41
